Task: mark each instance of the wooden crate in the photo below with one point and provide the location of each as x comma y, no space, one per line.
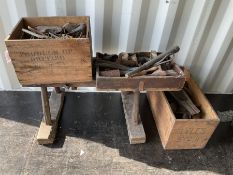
142,83
50,61
183,133
150,83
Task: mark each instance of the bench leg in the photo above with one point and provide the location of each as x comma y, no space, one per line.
51,108
135,128
135,107
45,105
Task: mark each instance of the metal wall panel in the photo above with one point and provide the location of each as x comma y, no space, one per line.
202,28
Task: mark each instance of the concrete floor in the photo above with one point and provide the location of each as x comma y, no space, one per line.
92,139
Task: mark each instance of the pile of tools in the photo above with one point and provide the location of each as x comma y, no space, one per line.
151,64
69,30
138,64
182,104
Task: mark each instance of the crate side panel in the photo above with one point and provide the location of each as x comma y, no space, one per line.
17,30
162,114
147,83
190,134
56,20
38,62
201,100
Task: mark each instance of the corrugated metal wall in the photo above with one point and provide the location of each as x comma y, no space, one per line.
202,28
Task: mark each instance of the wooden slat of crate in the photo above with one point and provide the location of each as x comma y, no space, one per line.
41,63
162,114
50,61
150,83
188,134
183,133
91,83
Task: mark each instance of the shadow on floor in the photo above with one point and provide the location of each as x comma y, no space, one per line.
99,117
21,106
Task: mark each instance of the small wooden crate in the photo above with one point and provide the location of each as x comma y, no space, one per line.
158,83
50,61
183,133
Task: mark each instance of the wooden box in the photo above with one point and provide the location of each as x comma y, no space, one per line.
183,133
158,83
50,61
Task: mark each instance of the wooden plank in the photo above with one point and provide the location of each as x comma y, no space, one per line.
36,62
91,83
45,105
136,131
110,73
162,113
149,83
191,133
48,61
135,107
47,133
16,32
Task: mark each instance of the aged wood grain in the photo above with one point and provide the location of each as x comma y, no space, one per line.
47,133
150,83
183,133
45,105
136,131
50,61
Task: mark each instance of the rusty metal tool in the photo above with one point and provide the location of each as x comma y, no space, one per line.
153,61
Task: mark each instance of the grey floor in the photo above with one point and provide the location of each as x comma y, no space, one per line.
92,139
